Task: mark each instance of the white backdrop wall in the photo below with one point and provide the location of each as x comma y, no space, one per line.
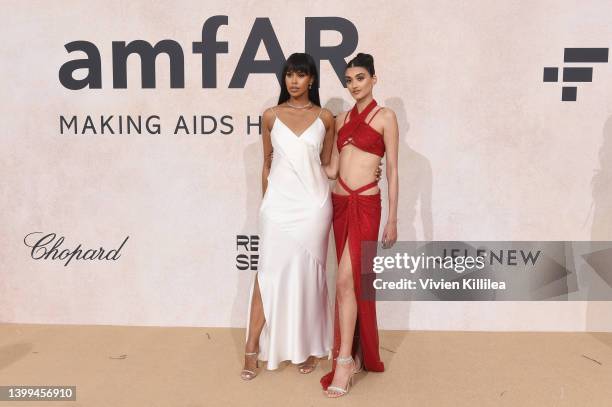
488,151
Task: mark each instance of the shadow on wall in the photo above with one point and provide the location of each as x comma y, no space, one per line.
601,185
415,183
598,313
252,160
414,216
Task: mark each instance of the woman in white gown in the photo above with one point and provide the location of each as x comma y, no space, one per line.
289,315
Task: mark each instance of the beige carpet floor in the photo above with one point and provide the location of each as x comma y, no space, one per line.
188,367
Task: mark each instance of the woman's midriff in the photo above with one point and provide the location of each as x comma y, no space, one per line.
357,168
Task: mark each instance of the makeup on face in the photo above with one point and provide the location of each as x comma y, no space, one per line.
358,83
296,81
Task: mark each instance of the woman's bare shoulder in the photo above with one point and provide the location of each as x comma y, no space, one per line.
387,113
326,114
327,117
269,113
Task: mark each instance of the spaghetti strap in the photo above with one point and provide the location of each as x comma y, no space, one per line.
346,116
275,116
375,113
320,110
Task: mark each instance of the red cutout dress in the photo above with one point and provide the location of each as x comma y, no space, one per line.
357,218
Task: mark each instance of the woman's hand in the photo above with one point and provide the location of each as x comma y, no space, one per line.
330,171
378,172
390,234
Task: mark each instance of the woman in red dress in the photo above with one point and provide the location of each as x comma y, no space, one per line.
364,134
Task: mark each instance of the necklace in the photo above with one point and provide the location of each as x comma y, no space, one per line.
299,107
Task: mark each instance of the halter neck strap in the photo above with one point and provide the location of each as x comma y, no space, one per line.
361,116
356,118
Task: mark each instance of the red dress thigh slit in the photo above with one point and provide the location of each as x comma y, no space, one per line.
356,218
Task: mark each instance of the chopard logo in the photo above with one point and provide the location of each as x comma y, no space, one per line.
48,247
576,74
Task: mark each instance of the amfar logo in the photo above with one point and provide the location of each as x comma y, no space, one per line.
261,33
576,74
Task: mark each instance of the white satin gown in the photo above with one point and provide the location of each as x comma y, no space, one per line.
294,224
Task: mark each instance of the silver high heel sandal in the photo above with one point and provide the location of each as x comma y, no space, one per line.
249,374
339,391
305,368
358,364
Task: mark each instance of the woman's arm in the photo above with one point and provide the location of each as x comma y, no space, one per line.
267,121
328,141
331,168
391,138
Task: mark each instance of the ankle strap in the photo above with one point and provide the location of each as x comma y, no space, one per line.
344,361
